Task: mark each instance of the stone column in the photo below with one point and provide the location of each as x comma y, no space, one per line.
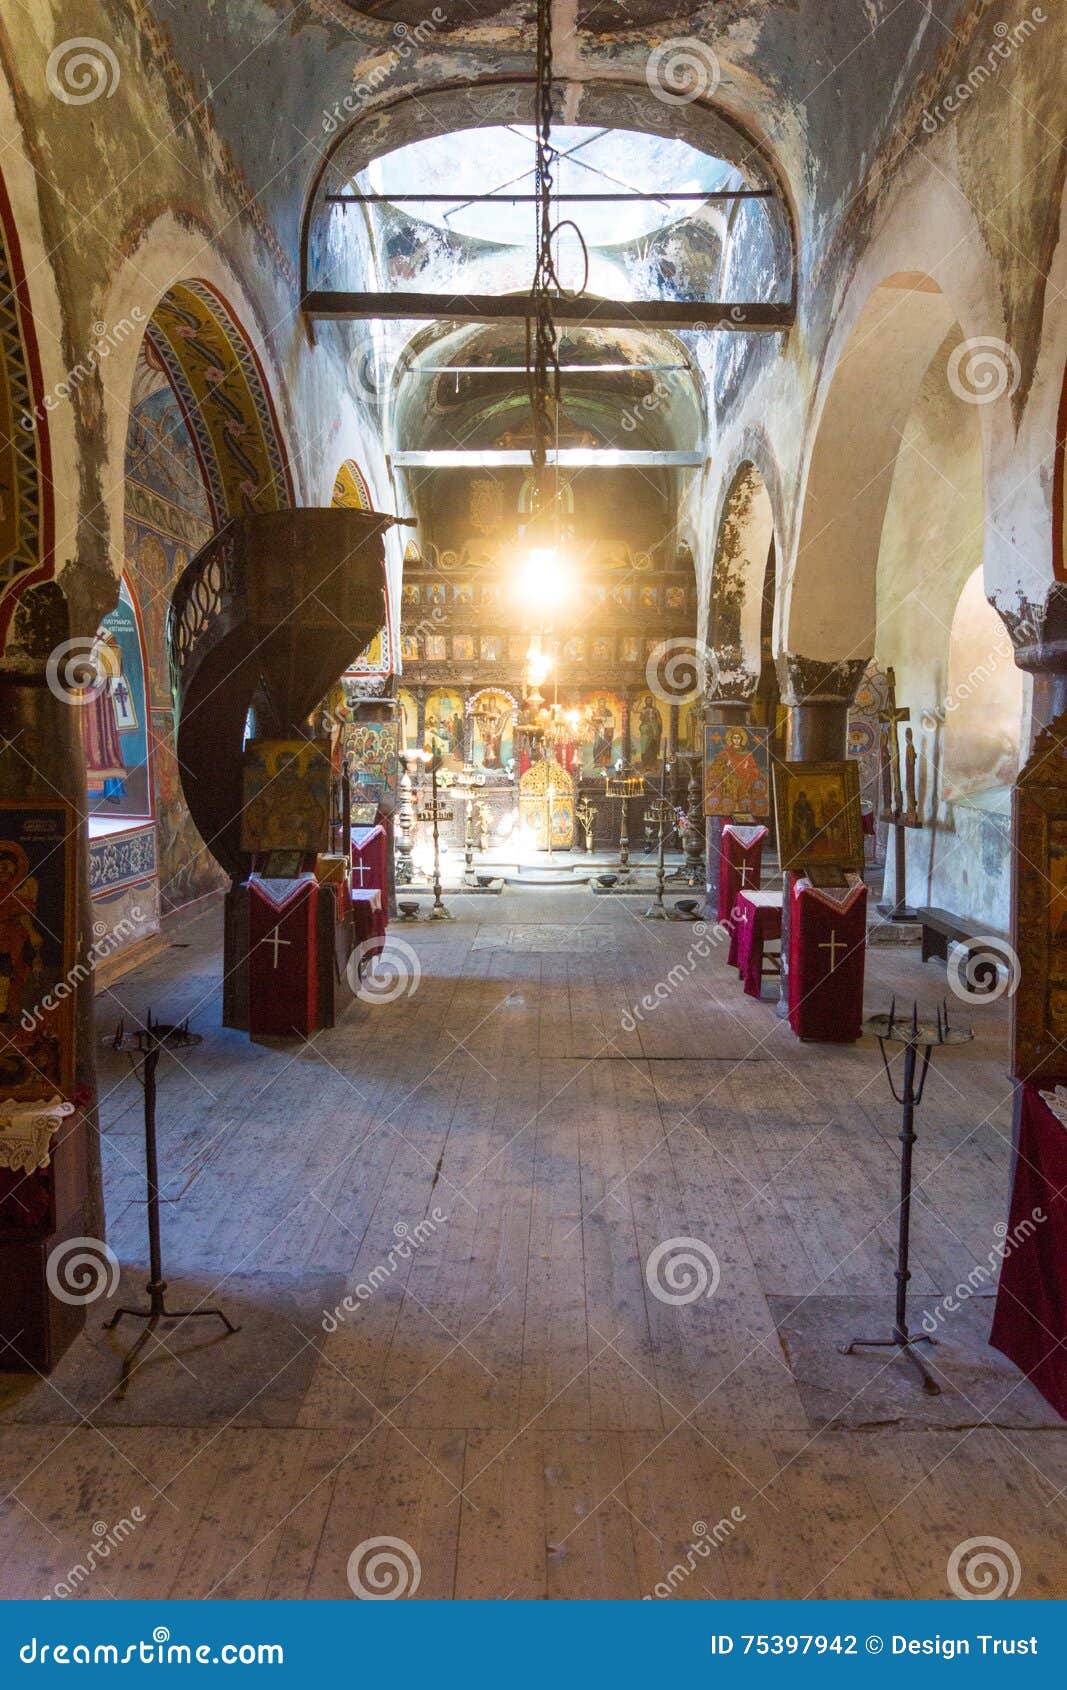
41,759
818,697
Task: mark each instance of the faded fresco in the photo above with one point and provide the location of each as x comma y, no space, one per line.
168,519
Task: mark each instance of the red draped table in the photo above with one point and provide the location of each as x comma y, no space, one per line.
756,919
1030,1323
368,918
370,873
827,950
740,860
283,964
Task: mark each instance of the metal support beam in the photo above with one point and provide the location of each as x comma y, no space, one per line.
462,199
521,370
750,318
568,457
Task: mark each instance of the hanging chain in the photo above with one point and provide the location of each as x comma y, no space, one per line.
542,348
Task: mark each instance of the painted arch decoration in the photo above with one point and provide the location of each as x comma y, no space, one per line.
351,491
27,521
225,400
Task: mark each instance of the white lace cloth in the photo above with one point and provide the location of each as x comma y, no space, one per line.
1057,1102
745,836
26,1131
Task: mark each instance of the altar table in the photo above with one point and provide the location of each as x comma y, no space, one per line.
757,919
368,918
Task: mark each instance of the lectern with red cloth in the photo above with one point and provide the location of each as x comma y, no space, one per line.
757,918
740,861
827,949
370,873
1030,1323
283,959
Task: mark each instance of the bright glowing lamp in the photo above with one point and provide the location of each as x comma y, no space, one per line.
544,582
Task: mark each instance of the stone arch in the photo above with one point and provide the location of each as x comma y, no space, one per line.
222,389
375,129
165,256
744,545
829,608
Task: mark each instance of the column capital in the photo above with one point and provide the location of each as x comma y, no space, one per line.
1038,633
814,680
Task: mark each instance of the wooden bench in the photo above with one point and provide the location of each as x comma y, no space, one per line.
983,944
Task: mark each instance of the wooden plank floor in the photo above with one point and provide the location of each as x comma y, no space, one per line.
512,1400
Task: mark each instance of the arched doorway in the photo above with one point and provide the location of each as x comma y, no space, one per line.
202,444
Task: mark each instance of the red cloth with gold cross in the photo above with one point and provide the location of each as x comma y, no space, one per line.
740,862
827,950
283,956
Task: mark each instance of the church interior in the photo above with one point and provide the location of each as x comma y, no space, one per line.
533,770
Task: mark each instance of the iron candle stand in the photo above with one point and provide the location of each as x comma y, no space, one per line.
148,1043
659,810
919,1039
623,787
438,912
